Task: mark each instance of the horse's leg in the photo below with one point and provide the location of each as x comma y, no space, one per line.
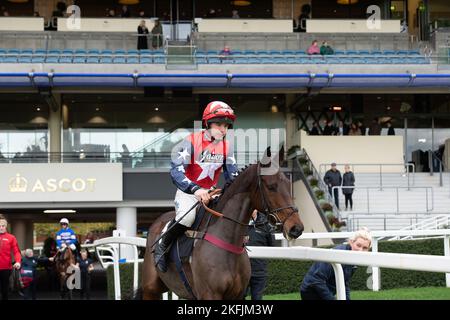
152,285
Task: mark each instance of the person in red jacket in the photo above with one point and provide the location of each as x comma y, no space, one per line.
8,244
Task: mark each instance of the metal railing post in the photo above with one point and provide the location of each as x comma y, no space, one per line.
430,162
381,179
426,199
340,282
368,206
447,253
375,270
398,206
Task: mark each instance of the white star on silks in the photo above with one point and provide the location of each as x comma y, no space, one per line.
235,174
208,169
183,154
187,180
233,160
181,168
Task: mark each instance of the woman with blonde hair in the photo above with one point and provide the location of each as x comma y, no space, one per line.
320,284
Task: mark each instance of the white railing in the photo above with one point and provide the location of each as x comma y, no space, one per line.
373,259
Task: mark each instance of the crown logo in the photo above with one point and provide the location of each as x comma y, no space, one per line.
18,184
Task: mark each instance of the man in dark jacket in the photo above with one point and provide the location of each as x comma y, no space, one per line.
375,128
29,274
320,282
315,131
260,234
328,130
332,179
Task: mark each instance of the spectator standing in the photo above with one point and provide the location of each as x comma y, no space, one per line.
260,234
375,128
314,48
328,130
362,128
391,131
315,130
354,130
29,274
157,35
235,14
142,14
142,36
342,129
348,180
125,12
319,282
332,179
8,247
305,15
111,13
325,49
86,266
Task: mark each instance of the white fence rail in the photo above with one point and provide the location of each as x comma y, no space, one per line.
373,259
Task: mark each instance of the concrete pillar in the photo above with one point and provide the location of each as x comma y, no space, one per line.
19,230
291,124
54,128
126,220
29,236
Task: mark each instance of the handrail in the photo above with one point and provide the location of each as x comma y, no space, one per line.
380,165
322,184
396,188
431,157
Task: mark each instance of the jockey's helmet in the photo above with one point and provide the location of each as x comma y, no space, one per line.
218,111
64,220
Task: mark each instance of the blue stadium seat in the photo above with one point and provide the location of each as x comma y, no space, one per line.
288,52
40,52
317,59
26,51
280,60
414,52
262,52
134,60
300,52
24,59
119,60
359,61
389,52
93,52
106,60
80,51
54,52
38,59
120,52
291,60
200,52
275,52
254,61
158,52
200,59
67,52
376,52
106,52
10,59
133,52
352,52
240,60
145,52
267,60
3,51
92,59
159,59
339,52
214,60
146,59
65,60
212,53
79,59
331,60
52,59
364,52
13,51
249,52
402,52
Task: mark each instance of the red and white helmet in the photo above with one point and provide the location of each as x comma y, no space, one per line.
218,111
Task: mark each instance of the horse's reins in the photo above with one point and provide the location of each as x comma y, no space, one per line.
273,213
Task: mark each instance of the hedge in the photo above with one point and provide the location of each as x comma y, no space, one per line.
285,276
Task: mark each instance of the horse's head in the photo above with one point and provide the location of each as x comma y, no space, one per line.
273,192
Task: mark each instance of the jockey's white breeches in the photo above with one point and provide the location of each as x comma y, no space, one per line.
184,202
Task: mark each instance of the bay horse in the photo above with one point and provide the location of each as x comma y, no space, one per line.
215,273
62,263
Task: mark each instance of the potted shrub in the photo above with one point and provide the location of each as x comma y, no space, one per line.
307,171
314,182
326,207
319,194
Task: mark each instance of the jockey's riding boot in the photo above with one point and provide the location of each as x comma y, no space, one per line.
163,246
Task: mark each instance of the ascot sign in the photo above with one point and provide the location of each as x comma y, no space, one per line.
58,182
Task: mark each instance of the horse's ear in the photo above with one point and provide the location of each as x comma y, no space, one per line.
281,155
266,159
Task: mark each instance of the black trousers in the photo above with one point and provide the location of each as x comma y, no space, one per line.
29,293
85,291
256,287
336,196
309,295
4,283
348,199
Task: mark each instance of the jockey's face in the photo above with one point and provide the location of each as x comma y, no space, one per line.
64,225
218,130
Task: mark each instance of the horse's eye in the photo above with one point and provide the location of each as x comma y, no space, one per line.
272,187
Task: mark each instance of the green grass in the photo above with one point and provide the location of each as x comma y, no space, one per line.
425,293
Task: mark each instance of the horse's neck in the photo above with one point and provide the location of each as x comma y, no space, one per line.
237,208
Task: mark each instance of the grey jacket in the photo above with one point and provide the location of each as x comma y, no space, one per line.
333,177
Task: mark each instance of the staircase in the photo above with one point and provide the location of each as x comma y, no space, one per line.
394,206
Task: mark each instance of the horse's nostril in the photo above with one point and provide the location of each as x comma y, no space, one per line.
295,232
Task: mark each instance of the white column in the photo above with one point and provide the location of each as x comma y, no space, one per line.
126,221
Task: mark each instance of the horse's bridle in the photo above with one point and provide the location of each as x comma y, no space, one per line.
272,215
